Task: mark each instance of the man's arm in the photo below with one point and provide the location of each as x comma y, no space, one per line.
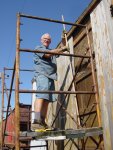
59,50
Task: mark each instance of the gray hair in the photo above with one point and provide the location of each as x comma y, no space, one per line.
44,35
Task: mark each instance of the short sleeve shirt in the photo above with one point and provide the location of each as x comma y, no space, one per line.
45,66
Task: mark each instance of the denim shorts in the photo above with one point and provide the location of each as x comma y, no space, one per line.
44,83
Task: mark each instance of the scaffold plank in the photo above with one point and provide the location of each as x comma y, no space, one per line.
62,134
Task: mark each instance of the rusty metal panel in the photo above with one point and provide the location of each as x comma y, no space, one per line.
102,28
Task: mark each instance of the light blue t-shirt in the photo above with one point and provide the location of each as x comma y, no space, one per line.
45,66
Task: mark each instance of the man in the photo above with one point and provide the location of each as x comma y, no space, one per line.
45,74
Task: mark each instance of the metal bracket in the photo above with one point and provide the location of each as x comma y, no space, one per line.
111,9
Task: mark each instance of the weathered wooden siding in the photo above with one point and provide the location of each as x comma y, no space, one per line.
102,27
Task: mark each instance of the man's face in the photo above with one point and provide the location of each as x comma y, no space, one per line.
46,40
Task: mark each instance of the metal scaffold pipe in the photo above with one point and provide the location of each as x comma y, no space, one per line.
94,78
49,52
57,92
17,114
51,20
2,139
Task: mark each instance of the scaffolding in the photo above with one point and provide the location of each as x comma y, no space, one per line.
69,134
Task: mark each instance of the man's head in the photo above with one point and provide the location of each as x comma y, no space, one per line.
46,39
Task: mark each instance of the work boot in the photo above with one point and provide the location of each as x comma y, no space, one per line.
40,124
36,126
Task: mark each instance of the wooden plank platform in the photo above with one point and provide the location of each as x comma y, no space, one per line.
62,134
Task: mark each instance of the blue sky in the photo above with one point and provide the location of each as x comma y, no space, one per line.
31,30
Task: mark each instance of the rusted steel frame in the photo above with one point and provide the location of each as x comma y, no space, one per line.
78,124
91,126
6,91
77,70
51,20
80,61
67,143
17,114
88,102
83,144
22,112
64,109
12,144
70,86
20,69
2,109
6,111
94,78
100,140
9,98
25,138
57,92
50,52
9,90
88,116
94,141
84,77
47,148
9,147
82,109
75,144
90,95
26,147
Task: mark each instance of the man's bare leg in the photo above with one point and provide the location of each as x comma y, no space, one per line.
40,108
38,105
44,109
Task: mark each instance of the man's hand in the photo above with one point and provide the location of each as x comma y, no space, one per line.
63,49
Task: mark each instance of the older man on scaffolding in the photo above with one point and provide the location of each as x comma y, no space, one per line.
45,74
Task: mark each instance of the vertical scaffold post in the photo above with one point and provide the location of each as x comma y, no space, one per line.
17,114
94,78
2,109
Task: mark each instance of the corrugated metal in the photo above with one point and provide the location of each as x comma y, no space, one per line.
102,27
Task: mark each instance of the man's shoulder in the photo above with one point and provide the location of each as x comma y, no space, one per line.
38,47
